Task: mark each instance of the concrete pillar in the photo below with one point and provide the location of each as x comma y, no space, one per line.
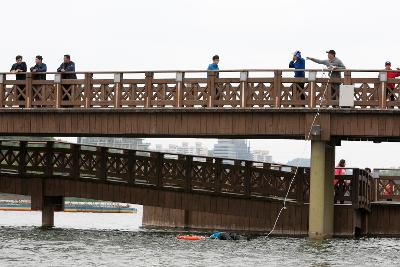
321,190
48,213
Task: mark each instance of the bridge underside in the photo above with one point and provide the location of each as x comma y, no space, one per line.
290,123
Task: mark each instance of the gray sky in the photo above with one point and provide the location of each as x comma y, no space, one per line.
181,34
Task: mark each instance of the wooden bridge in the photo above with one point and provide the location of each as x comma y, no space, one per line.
238,104
193,191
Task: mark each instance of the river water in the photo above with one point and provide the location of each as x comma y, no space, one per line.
90,239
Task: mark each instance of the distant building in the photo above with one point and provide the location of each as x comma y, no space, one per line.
128,143
261,156
232,148
198,149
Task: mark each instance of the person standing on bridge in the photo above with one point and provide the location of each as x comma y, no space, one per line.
19,66
39,67
67,68
214,66
299,64
391,75
333,63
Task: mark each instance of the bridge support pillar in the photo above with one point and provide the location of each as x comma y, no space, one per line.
51,204
321,190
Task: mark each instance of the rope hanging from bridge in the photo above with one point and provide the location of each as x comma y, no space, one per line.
304,151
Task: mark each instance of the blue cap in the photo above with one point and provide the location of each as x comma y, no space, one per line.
297,54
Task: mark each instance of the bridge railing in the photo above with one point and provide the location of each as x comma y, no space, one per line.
355,187
159,170
387,184
176,89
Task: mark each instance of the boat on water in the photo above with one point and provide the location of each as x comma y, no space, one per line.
72,206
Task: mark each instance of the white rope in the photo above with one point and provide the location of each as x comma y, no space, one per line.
304,152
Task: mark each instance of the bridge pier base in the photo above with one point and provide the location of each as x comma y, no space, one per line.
321,190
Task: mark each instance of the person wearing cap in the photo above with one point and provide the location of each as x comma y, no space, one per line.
391,75
333,63
39,67
299,64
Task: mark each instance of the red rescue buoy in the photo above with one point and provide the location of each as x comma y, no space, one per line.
190,237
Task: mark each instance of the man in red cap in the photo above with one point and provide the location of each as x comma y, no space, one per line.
391,75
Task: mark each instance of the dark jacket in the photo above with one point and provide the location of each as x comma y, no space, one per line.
68,67
19,66
299,64
39,68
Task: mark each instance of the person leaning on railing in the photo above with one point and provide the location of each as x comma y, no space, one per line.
299,64
39,67
332,63
67,68
19,66
391,86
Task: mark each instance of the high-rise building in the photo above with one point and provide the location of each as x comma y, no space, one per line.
128,143
233,149
198,149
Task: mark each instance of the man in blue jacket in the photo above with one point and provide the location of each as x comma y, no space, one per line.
299,64
67,66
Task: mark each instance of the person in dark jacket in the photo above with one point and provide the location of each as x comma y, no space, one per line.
67,66
19,66
299,64
39,67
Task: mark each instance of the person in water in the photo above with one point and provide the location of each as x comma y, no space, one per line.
225,236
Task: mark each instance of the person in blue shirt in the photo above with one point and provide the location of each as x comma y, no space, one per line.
214,65
299,64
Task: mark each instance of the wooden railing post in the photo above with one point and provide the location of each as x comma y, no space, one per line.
49,166
355,188
312,81
23,146
180,77
383,91
88,89
244,75
3,79
118,81
131,166
28,90
247,177
217,175
101,156
212,90
148,88
159,165
347,78
75,159
57,82
300,185
188,173
277,87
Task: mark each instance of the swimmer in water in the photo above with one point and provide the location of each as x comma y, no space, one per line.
225,236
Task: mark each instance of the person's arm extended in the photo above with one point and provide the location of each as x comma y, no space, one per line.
13,68
60,68
319,61
291,64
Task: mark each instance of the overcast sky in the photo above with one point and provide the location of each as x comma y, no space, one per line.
182,34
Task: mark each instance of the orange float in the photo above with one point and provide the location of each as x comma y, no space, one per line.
190,237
